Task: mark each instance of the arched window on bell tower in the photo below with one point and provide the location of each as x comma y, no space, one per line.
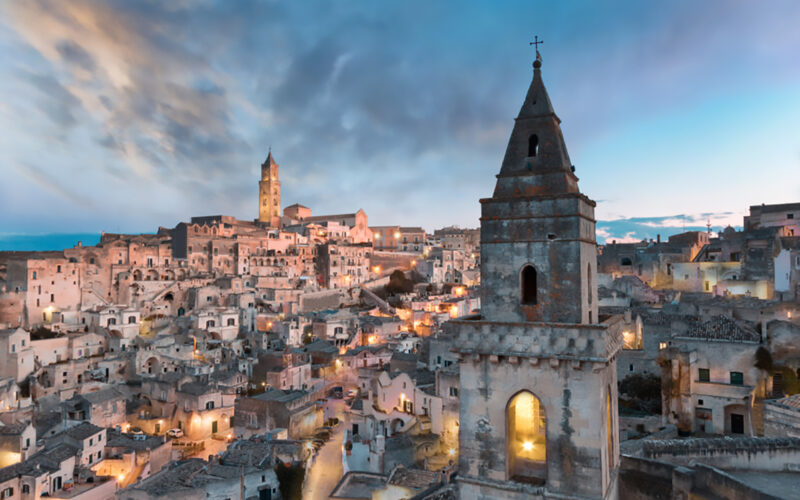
526,445
589,282
610,430
528,285
533,145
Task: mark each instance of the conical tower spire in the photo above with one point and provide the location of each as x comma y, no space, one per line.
536,160
537,102
270,161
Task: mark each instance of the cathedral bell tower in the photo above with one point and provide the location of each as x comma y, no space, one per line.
269,193
538,375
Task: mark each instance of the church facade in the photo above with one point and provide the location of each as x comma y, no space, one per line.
538,376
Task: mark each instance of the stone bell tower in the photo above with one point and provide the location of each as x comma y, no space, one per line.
269,193
538,415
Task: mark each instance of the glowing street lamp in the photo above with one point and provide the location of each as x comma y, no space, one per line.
527,446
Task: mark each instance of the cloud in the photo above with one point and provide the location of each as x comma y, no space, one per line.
402,109
633,229
45,181
58,103
159,102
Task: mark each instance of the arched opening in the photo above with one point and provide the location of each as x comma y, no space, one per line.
589,283
527,439
533,145
169,297
528,285
609,430
152,365
736,419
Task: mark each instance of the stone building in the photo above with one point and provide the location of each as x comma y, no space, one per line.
269,193
781,215
710,383
538,379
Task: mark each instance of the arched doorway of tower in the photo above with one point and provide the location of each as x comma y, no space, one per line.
526,442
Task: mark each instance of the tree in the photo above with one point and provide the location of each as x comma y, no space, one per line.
763,359
640,393
398,283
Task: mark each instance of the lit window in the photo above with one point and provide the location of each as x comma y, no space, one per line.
526,438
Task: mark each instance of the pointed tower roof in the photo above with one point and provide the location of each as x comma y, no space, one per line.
536,161
270,161
537,102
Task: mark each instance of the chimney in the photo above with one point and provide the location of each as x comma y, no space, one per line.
79,243
658,238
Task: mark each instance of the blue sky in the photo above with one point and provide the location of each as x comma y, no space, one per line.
125,115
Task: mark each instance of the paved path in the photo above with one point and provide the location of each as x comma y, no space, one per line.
327,468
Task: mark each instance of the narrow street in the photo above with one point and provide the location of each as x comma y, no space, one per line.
327,468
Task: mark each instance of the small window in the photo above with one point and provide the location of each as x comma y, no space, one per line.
737,378
625,261
533,145
703,375
662,345
58,269
528,285
790,216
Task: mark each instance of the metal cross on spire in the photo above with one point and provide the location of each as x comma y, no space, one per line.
537,63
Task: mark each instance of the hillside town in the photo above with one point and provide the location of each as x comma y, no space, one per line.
318,356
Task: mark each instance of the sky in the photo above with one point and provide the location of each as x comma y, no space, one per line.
128,115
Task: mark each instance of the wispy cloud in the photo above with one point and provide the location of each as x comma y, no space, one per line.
403,109
629,230
46,182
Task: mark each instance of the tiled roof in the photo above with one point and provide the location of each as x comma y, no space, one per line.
722,328
83,431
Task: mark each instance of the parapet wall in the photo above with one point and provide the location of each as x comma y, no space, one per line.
644,479
596,342
756,454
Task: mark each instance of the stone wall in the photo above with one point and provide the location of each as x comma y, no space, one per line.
318,301
756,454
